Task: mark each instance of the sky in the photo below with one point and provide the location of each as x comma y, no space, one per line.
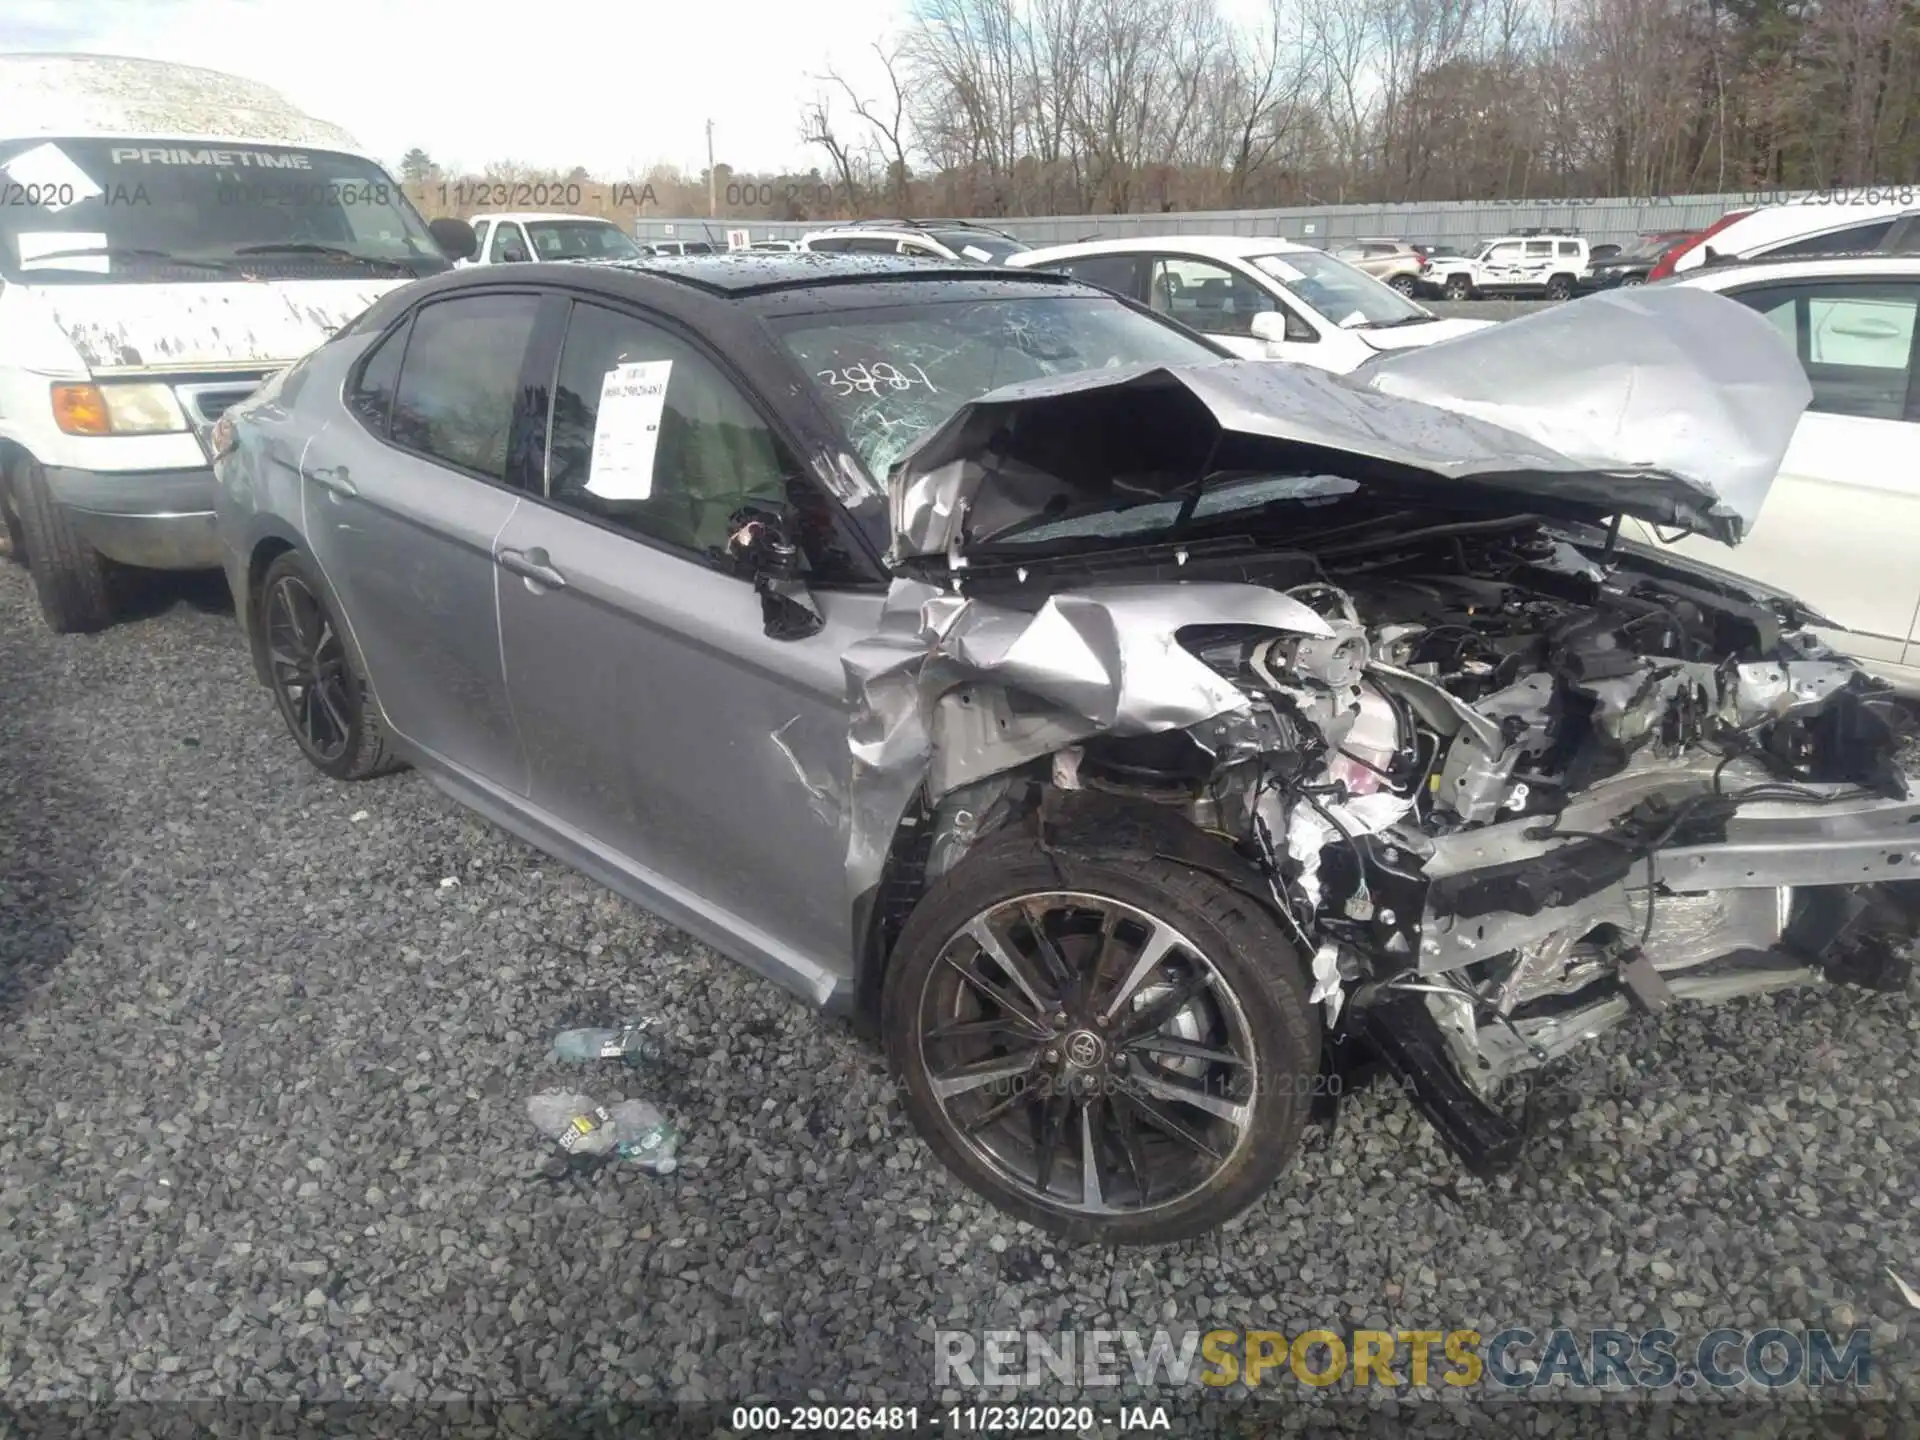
550,83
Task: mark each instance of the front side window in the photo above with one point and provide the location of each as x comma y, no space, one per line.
78,211
458,380
509,245
1206,296
580,240
890,374
1346,295
649,436
1855,341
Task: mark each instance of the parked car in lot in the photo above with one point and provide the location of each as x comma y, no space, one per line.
1264,299
152,272
682,247
779,245
1394,262
1841,527
520,237
1883,226
1273,729
931,239
1542,264
1633,263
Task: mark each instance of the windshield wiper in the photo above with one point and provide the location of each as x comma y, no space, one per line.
128,252
330,252
1396,324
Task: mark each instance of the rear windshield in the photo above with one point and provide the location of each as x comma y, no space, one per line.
79,211
890,374
987,249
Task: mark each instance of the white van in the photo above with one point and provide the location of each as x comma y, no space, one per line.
169,237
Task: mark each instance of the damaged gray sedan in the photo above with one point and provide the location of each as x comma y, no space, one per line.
1147,744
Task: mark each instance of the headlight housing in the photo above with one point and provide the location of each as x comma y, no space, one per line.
132,409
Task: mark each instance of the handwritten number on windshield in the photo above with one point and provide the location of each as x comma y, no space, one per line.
867,380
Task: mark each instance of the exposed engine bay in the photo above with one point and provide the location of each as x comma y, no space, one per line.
1506,791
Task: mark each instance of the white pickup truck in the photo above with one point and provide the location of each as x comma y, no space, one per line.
525,235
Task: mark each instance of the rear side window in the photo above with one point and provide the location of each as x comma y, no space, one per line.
458,380
371,396
1539,247
1855,341
1569,247
1838,242
1110,272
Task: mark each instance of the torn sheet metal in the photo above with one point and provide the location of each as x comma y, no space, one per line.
931,689
1671,407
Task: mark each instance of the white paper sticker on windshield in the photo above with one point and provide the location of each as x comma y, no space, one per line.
49,179
974,252
1279,268
627,430
1358,317
34,245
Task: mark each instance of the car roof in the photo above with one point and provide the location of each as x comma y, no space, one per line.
1799,267
1219,247
884,232
1781,223
540,215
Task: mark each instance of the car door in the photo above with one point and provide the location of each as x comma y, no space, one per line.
1841,524
403,497
701,760
1208,296
1503,266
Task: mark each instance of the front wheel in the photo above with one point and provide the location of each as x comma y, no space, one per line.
1459,288
69,575
1117,1049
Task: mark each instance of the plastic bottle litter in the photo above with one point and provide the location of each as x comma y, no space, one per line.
633,1129
635,1043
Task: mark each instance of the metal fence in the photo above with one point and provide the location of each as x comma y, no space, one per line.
1459,223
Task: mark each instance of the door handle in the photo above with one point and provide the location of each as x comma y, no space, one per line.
334,478
532,565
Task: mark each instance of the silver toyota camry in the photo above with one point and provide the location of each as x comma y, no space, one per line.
1147,745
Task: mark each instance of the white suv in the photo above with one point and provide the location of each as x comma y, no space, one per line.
1549,264
1841,525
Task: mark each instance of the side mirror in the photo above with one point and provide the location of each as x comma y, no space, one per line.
1277,327
762,548
454,237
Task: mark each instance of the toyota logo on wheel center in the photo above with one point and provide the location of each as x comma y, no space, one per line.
1084,1049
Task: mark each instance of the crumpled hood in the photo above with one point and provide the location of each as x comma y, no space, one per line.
1413,336
183,326
1672,405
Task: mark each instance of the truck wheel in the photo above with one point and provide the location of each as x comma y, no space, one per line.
69,576
1117,1049
1560,287
1459,288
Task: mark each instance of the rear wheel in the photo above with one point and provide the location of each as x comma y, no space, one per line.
1404,284
315,677
1560,287
1459,288
1116,1049
1633,280
69,575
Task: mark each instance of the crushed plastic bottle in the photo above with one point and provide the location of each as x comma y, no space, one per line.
633,1044
633,1129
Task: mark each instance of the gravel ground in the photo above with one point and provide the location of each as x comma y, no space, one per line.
262,1070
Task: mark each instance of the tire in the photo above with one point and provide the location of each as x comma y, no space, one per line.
1560,287
1156,1188
1626,280
1404,284
69,576
1459,288
316,677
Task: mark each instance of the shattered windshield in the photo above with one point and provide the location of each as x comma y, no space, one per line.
1344,294
890,374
